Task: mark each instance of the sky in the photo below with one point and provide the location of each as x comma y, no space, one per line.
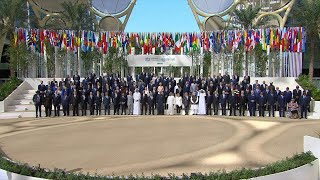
162,16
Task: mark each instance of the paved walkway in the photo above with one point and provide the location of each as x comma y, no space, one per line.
123,145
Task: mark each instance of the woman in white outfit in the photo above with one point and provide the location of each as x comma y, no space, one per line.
170,102
194,104
136,103
202,102
178,102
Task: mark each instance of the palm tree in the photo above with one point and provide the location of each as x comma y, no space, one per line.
13,13
306,14
78,16
246,18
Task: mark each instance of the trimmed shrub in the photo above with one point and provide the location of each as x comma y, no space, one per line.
306,83
9,86
277,167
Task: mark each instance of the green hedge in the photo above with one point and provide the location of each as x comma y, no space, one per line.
9,86
306,83
280,166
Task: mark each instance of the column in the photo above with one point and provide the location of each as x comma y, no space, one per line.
154,70
201,65
133,73
94,67
45,62
79,62
280,63
56,66
212,64
68,62
161,71
181,71
268,61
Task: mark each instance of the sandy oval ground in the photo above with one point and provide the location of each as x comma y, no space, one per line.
125,145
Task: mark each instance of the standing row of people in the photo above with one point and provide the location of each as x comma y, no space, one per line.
150,93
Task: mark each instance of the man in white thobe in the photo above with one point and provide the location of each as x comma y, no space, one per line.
136,103
202,102
170,102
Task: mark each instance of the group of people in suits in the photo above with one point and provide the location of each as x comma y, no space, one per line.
148,92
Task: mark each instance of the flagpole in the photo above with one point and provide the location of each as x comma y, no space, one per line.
28,7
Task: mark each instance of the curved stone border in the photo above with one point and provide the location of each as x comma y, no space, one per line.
5,175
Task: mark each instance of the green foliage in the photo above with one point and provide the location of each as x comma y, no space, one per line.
9,86
306,14
261,61
238,61
88,58
78,16
246,16
305,82
280,166
115,60
12,13
207,58
20,58
50,58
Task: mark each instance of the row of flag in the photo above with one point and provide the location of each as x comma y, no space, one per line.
292,39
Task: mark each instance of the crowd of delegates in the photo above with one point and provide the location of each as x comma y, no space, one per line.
148,92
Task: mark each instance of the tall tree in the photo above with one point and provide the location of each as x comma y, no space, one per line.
78,16
13,13
306,14
245,17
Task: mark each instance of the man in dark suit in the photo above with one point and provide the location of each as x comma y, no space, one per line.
226,78
75,104
37,103
242,103
271,99
186,102
144,101
223,102
297,94
123,103
83,104
91,101
233,102
287,95
116,102
262,104
65,104
209,101
160,103
151,103
106,104
98,101
309,94
215,102
304,102
282,104
56,103
48,102
252,104
277,93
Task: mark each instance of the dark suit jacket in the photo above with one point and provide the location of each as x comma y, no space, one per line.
56,100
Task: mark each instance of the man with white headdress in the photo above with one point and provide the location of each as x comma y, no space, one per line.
202,102
136,103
